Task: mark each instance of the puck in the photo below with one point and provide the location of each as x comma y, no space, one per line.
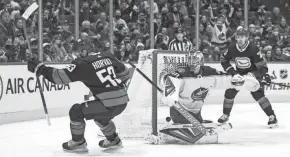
168,119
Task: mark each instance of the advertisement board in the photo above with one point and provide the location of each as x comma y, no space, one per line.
20,99
276,94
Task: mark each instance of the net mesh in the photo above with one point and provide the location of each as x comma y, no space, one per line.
137,120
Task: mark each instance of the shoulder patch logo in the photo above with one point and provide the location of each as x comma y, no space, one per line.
71,67
169,86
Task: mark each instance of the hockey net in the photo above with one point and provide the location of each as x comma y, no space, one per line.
145,111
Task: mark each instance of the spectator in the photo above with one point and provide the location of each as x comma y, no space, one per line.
284,28
7,31
276,16
18,26
275,39
86,27
3,57
219,20
102,25
236,19
175,16
219,36
268,55
146,6
125,9
118,22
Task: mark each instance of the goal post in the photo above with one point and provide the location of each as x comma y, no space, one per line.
165,58
145,112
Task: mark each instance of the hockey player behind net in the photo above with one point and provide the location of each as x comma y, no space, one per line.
192,99
249,62
105,76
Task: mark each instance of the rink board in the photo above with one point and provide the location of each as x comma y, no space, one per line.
20,99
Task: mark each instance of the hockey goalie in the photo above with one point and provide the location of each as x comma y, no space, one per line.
187,88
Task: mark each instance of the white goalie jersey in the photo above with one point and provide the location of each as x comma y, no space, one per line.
191,93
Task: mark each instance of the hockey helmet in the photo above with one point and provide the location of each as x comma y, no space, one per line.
242,36
195,60
242,32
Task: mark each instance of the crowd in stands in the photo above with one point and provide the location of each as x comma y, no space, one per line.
268,27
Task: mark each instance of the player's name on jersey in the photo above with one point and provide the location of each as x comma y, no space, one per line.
101,63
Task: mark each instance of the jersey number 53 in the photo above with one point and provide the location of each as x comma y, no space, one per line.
108,76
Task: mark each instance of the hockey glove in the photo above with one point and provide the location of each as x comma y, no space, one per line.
237,80
231,71
34,66
266,79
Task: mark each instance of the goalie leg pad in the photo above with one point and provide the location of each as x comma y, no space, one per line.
177,117
190,135
171,136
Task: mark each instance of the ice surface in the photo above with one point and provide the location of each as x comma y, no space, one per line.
249,137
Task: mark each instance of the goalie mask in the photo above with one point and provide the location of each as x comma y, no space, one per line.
195,60
242,36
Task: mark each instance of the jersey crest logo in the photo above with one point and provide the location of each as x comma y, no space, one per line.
199,94
243,62
71,67
169,86
222,37
283,73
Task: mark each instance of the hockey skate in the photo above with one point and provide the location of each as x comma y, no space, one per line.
116,143
273,122
76,147
224,118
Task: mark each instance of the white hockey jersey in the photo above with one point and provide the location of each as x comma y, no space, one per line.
191,93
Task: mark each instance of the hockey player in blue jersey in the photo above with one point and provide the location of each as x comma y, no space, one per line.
105,76
248,60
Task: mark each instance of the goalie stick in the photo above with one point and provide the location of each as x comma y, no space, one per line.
30,10
177,106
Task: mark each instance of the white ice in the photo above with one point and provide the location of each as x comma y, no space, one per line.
249,137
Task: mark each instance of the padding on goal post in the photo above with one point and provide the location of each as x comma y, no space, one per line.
145,112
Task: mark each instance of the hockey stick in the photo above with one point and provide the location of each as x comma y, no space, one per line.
25,16
280,84
150,81
176,105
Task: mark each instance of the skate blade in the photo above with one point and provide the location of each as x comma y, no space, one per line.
120,145
78,151
273,126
